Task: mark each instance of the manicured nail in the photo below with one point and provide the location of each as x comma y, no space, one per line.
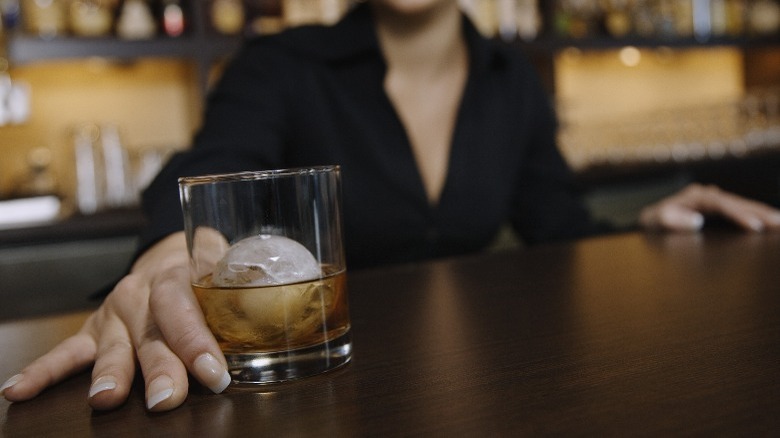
211,373
104,383
159,390
755,224
697,221
10,382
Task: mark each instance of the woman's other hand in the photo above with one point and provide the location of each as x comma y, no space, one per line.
686,211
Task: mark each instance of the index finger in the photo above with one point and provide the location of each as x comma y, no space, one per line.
747,213
179,318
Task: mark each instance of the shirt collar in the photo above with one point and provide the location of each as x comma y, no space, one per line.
353,36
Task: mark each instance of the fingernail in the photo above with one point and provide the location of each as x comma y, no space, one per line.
211,373
755,224
10,382
697,221
104,383
159,390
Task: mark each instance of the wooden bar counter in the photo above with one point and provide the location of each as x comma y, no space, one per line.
631,334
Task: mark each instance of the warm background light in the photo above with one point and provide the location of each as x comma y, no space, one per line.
604,87
154,103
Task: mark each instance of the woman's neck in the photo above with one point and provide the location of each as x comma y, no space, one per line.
427,68
428,42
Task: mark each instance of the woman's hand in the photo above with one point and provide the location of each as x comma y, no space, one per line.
685,210
152,318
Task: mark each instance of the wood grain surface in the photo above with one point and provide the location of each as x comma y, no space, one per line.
630,334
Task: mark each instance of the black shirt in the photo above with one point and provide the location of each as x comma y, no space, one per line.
314,95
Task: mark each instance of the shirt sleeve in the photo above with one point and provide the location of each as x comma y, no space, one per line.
243,129
549,203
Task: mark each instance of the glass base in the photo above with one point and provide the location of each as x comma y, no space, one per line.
252,369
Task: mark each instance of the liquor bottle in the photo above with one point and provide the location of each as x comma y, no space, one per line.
91,18
38,179
689,18
668,18
764,17
735,17
264,17
174,21
583,18
46,19
228,16
529,20
9,11
505,12
719,17
644,20
702,19
136,21
617,18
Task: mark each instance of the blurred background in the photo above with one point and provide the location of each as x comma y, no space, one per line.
96,94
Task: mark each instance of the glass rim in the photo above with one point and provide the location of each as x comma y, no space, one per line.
254,175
